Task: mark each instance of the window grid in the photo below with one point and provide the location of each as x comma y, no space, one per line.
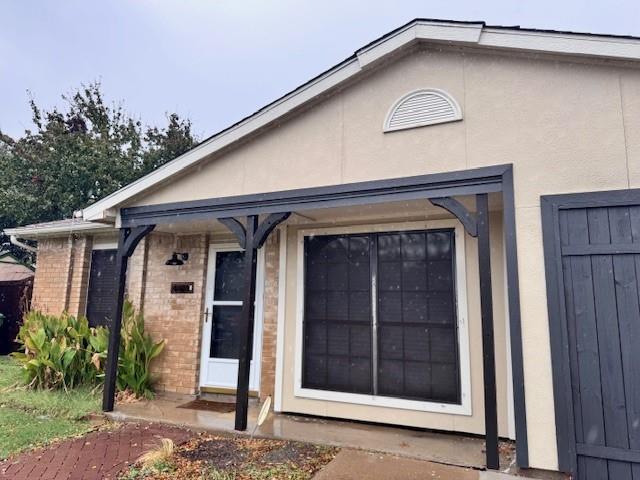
438,300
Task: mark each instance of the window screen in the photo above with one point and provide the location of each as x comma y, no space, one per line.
337,330
103,286
227,305
416,341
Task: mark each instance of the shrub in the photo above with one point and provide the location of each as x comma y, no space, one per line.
137,349
62,351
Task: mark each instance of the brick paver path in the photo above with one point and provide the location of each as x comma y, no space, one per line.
95,456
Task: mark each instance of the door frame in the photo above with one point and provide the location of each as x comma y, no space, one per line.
550,206
254,379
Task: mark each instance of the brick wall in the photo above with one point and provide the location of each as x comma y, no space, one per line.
79,278
62,275
270,316
137,274
177,318
61,283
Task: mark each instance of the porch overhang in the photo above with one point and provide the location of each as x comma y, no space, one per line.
275,207
463,182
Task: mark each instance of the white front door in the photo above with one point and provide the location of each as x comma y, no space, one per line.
223,304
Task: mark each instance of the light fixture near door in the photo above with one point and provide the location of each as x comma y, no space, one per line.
177,259
427,106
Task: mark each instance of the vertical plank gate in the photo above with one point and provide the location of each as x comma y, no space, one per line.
592,254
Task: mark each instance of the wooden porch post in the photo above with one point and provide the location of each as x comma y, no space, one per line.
250,237
127,242
478,226
246,324
486,311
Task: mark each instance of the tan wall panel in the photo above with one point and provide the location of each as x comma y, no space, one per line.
370,154
630,96
535,330
560,124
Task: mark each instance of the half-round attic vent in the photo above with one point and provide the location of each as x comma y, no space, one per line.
420,108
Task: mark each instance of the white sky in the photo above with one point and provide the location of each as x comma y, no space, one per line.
217,61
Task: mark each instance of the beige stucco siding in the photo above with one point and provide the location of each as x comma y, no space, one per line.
565,126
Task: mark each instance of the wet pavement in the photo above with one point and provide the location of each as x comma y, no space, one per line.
399,449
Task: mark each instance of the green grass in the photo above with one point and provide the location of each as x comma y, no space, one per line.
30,418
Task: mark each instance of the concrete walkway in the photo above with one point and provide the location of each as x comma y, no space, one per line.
444,448
357,464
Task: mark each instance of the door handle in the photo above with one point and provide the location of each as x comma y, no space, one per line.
206,315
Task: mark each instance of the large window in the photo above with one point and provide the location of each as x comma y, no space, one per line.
380,315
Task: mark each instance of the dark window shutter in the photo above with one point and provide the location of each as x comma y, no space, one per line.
337,327
417,343
103,285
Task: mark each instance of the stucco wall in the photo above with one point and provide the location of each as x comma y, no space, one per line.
566,126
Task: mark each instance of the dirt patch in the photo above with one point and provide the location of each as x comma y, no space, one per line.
218,452
237,458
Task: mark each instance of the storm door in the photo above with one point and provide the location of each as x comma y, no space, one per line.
223,306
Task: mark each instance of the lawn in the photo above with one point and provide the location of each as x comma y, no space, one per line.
30,418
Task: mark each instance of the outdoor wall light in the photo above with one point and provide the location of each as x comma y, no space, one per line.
177,259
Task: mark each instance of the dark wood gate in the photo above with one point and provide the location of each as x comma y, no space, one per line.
592,254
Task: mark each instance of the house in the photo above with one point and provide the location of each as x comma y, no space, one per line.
16,280
440,232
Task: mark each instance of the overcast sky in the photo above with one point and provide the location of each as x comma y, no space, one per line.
217,61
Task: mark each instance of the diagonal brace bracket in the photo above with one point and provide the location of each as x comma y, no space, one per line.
261,233
453,206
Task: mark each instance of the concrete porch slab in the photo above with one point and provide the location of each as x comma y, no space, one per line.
441,448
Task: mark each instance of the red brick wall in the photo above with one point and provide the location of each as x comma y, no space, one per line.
61,283
79,283
270,316
177,318
62,275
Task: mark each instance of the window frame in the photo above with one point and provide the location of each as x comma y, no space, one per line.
462,408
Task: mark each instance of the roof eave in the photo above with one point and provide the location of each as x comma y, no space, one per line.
450,32
34,233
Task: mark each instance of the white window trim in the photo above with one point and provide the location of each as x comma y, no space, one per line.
255,376
280,328
464,408
104,243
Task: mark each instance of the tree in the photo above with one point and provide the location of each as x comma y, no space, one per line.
78,155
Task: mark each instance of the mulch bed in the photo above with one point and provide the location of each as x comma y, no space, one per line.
238,458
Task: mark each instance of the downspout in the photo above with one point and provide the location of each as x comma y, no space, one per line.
14,241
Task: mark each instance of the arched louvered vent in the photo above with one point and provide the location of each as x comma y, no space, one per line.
420,108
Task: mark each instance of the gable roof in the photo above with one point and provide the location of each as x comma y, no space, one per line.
477,34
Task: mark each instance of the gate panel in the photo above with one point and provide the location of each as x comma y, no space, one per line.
592,254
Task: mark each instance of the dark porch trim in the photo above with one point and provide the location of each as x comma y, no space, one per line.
464,182
127,242
251,237
477,225
483,180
